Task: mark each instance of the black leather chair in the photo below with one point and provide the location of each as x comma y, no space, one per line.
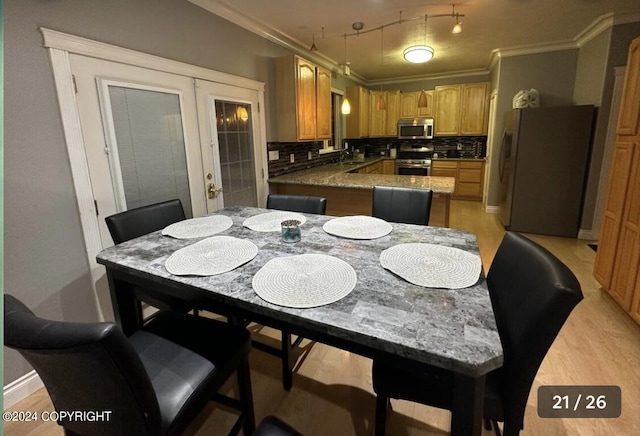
140,221
272,426
402,205
532,294
302,204
152,383
297,203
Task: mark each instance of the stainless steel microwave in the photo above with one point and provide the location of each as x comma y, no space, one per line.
415,128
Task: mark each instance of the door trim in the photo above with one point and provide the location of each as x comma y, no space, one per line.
59,46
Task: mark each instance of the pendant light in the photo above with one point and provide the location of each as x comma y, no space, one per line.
458,27
382,101
346,106
423,102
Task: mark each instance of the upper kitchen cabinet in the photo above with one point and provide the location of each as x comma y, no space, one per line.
447,115
358,120
461,109
377,116
629,116
393,112
303,96
409,105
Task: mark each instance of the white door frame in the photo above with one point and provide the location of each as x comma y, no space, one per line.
60,45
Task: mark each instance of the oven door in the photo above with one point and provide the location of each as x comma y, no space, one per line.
412,170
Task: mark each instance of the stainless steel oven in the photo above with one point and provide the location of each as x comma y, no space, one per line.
414,160
413,167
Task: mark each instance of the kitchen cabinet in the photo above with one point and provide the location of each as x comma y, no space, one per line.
374,168
461,109
377,117
469,175
303,98
393,112
388,166
617,265
409,105
357,124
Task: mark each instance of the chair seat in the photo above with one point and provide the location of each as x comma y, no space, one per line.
272,426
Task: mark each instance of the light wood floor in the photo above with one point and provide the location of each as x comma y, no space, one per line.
332,393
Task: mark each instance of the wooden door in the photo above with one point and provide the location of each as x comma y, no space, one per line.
378,117
323,103
393,112
630,107
426,112
473,109
408,105
613,212
628,252
447,115
306,99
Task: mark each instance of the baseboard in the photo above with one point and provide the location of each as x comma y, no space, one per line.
492,209
21,388
589,235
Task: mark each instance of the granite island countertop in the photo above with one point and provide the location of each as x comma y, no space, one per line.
340,175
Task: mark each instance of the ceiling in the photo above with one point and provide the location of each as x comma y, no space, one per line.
489,27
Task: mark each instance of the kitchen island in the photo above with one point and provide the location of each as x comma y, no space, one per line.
349,192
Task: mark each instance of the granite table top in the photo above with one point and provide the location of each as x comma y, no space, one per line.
339,175
452,329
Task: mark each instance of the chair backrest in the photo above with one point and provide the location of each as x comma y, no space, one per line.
85,367
532,294
140,221
402,205
297,203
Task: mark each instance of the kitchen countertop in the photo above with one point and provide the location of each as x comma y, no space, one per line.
338,175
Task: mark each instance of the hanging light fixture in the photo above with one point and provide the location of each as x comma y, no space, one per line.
423,102
346,106
382,101
419,54
313,44
458,27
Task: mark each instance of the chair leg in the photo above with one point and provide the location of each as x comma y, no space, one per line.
487,424
246,396
382,403
287,370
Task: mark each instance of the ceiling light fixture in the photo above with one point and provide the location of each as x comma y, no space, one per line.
419,54
382,101
313,44
346,106
458,27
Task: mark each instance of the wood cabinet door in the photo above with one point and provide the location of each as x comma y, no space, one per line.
306,99
323,103
447,115
613,213
393,112
408,104
378,117
426,112
473,109
388,166
365,96
628,119
628,252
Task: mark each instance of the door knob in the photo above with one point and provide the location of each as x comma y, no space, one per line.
212,191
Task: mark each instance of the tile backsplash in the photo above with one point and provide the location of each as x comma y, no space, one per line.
470,145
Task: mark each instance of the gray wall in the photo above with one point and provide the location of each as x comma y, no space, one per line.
552,74
45,261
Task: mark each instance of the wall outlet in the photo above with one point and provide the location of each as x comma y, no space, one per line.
459,146
292,158
274,155
309,155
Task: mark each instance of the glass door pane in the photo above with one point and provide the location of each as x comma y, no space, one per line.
149,147
236,151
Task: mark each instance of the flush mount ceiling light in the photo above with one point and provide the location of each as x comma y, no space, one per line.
418,54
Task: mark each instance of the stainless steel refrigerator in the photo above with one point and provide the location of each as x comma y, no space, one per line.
543,166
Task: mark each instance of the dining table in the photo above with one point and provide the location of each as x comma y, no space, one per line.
383,316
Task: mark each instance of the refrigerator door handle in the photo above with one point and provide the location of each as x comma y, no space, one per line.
503,152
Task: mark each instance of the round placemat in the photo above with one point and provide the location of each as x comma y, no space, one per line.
357,227
270,221
198,227
305,280
211,256
432,266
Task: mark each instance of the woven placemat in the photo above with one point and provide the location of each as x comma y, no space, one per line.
198,227
211,256
357,227
432,266
270,221
305,280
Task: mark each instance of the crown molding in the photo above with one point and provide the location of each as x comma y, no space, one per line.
408,79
